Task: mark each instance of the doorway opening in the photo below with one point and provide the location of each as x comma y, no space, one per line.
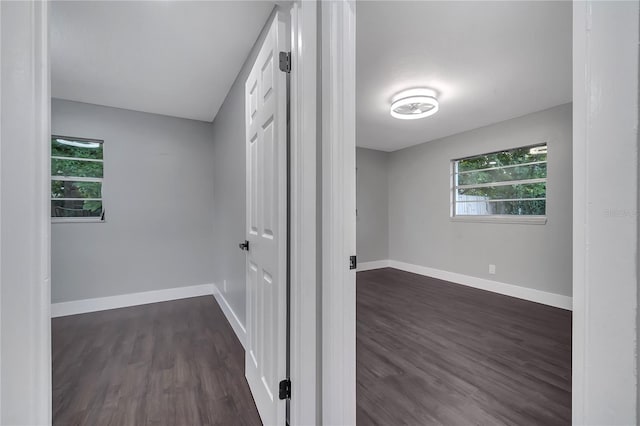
464,212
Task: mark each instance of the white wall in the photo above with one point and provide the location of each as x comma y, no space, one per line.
372,203
159,206
420,231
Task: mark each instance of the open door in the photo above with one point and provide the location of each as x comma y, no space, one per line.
266,244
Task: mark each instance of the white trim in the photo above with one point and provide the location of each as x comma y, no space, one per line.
1,101
605,179
509,166
303,355
376,264
92,160
77,179
25,388
94,199
132,299
513,219
525,293
229,313
95,219
338,212
502,183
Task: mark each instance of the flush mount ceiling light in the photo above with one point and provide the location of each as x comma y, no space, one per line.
414,104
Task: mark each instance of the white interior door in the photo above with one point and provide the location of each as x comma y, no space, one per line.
266,152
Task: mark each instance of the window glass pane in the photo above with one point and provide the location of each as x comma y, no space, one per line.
76,208
76,168
529,171
528,190
75,189
523,155
77,148
515,207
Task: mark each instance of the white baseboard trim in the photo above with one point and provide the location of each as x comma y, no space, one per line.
125,300
551,299
376,264
232,318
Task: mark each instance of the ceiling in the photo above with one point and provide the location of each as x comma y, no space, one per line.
489,61
175,58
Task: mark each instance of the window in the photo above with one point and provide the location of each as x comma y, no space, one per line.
505,185
77,170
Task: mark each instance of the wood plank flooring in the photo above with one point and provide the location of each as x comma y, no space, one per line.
173,363
431,352
428,352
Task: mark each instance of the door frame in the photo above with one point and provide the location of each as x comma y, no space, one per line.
605,212
25,351
303,240
338,212
604,363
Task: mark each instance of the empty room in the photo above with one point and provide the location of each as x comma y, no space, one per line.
464,212
147,209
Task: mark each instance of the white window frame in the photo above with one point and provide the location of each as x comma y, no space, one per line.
495,218
92,219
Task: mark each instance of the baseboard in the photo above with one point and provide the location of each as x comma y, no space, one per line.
546,298
376,264
232,318
551,299
124,300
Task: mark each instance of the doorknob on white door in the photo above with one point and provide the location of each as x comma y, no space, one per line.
244,245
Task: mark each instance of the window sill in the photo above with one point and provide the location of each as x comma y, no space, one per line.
523,220
77,220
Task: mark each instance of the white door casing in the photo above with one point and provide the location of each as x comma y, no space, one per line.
266,264
338,212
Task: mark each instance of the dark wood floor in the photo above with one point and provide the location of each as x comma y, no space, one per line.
431,352
428,352
173,363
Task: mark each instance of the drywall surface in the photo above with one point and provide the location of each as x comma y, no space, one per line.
158,199
229,189
25,322
372,204
421,231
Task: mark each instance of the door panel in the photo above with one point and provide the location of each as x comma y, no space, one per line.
266,154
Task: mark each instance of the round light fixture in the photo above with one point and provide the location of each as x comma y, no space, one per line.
414,107
414,103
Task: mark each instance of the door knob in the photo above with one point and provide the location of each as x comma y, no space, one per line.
244,245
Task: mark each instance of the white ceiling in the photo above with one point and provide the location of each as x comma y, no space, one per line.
175,58
489,61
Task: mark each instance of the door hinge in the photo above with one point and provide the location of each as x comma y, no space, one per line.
285,62
285,389
353,262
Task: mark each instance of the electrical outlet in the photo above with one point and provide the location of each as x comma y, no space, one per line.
492,269
224,286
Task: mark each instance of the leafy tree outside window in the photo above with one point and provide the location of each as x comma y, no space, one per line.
504,183
77,172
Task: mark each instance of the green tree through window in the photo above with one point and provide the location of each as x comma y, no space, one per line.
77,172
511,182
